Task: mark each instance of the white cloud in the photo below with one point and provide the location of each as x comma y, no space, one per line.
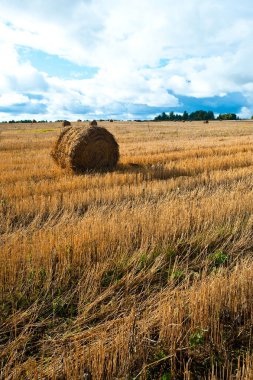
9,99
207,45
16,76
245,113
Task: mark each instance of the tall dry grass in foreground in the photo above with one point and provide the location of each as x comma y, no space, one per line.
145,272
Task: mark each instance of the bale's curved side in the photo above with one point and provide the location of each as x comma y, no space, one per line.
86,148
59,151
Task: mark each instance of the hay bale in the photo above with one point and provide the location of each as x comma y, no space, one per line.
93,123
66,123
80,149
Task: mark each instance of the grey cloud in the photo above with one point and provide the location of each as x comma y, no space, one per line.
24,108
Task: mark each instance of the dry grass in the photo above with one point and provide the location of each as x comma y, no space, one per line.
141,273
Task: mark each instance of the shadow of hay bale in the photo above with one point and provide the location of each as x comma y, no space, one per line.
152,172
83,149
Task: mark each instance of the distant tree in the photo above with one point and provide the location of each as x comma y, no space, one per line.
227,116
162,117
185,116
177,117
171,116
210,115
196,115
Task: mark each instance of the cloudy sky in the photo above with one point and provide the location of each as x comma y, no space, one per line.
124,59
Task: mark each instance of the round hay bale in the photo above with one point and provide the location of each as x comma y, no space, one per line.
93,123
81,149
66,123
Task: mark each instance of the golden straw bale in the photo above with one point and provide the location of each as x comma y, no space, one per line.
93,122
85,148
66,123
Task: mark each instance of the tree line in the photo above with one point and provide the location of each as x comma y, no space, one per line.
194,116
25,121
199,115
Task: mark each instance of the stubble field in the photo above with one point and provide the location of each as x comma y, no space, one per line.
145,272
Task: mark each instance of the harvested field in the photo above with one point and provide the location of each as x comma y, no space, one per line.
144,272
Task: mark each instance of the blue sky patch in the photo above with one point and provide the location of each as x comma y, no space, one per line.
232,102
34,96
54,65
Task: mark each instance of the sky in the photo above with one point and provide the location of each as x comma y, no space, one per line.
124,59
